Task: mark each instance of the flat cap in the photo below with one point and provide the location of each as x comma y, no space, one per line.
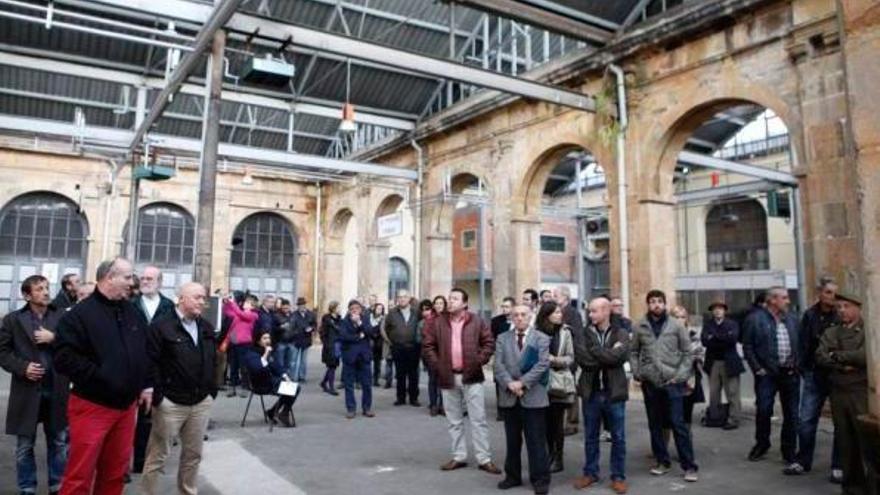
848,296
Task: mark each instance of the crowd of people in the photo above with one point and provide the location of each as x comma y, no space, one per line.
117,372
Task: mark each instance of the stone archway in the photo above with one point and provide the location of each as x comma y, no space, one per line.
340,258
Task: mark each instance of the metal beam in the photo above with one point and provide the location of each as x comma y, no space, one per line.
132,79
633,15
217,19
711,193
119,138
542,17
271,32
691,158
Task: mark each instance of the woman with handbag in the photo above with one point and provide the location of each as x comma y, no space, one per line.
561,389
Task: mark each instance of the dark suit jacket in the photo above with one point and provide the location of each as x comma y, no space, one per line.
179,369
720,341
17,350
499,325
402,332
165,310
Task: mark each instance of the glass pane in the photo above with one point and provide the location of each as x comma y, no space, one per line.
58,248
23,246
7,245
26,226
7,227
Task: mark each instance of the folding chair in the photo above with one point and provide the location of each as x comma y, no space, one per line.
262,406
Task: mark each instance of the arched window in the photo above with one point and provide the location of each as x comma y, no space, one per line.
42,226
398,276
736,236
40,233
264,255
264,240
166,236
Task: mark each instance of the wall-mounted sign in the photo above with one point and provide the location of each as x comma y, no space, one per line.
390,225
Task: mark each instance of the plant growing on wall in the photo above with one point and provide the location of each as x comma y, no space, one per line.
607,126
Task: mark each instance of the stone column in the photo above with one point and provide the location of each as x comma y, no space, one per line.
652,251
524,254
330,286
376,270
861,47
498,253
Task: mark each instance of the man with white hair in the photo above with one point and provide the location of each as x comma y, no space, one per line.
152,304
182,355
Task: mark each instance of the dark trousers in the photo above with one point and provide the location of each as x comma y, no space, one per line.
846,407
556,429
377,363
359,372
815,389
520,422
667,404
406,365
787,385
141,437
236,365
329,378
435,398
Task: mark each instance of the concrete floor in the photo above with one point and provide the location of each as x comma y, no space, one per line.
399,452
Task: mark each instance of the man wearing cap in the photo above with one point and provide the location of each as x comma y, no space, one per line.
842,353
304,324
720,335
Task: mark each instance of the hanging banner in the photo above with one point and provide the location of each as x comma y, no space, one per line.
390,225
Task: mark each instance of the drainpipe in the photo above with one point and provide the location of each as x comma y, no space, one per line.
622,185
417,242
317,246
108,206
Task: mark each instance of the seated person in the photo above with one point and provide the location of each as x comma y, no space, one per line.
266,375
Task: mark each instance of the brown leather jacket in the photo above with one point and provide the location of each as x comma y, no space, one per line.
477,348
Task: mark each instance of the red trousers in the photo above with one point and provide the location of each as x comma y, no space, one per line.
100,448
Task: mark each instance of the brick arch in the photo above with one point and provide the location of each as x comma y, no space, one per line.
678,124
336,226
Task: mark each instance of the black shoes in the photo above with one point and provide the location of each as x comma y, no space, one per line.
758,452
399,403
415,403
507,484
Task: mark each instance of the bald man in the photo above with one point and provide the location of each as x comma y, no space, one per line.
181,351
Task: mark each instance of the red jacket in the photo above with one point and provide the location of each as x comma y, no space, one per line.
477,348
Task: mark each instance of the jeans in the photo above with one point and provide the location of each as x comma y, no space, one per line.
787,384
815,390
389,371
285,352
26,464
359,372
596,410
435,397
406,363
236,365
520,422
300,355
667,403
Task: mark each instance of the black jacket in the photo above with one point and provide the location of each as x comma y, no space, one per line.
17,350
304,326
101,345
164,310
329,338
179,369
572,317
593,358
63,301
401,332
813,325
720,341
499,325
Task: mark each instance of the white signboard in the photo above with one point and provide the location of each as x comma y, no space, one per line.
390,225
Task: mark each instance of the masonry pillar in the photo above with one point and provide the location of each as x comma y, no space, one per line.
330,286
861,47
652,250
500,256
524,253
377,268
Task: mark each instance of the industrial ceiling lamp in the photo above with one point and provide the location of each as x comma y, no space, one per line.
348,125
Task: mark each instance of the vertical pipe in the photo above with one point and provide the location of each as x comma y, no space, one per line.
134,193
481,228
291,121
417,217
579,266
317,250
797,215
622,185
208,169
451,30
108,208
546,48
486,41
